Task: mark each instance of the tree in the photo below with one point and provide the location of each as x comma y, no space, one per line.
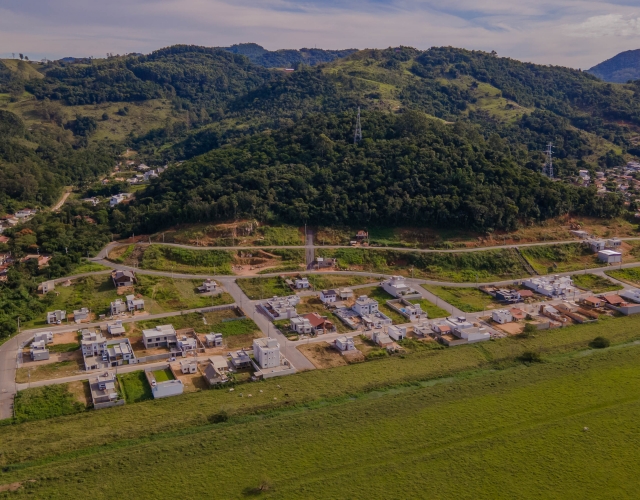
600,343
21,56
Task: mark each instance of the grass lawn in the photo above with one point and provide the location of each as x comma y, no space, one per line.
45,402
181,260
90,267
135,387
631,275
163,375
327,281
465,299
280,235
560,428
73,346
432,310
175,294
263,288
595,283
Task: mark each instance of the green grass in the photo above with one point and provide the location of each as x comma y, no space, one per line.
631,275
135,387
263,288
64,347
215,323
39,403
174,294
381,296
163,375
595,283
465,299
124,255
180,260
560,258
432,310
327,281
243,326
90,267
280,235
483,266
523,432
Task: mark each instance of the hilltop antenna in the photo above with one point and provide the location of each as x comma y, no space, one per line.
357,137
548,166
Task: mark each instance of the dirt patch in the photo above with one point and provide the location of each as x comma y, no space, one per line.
138,347
65,338
193,382
239,341
510,328
10,487
322,355
81,391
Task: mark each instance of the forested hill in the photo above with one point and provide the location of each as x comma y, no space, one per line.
620,68
286,58
181,102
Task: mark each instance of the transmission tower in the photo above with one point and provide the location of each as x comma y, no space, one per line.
548,167
358,135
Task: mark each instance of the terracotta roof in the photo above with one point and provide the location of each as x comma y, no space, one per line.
315,319
444,328
526,293
613,299
593,300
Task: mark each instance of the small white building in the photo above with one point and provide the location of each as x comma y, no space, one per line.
345,293
93,343
116,328
302,283
81,315
118,198
164,389
208,286
46,337
550,286
39,351
328,296
56,317
266,352
213,339
134,304
609,256
188,366
632,294
301,325
46,286
281,307
160,336
501,316
364,305
344,344
397,332
118,306
397,287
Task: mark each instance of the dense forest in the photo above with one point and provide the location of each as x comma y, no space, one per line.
286,58
621,68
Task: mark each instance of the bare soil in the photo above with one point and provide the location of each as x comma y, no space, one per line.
81,391
65,338
322,355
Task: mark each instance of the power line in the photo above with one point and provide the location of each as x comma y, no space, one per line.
357,137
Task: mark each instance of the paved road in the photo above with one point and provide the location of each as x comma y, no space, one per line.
398,249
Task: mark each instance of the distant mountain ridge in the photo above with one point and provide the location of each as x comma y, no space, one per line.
286,57
619,69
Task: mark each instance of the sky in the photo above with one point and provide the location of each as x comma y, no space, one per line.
575,33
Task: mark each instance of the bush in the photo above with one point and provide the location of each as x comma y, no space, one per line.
600,343
530,357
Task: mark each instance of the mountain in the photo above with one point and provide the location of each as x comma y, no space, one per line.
619,69
286,58
213,107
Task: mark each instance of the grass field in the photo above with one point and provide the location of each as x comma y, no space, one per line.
135,387
597,284
39,403
465,299
263,288
326,281
50,370
631,275
163,375
180,260
562,428
560,258
432,310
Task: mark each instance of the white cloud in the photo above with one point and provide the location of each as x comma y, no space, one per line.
606,25
578,33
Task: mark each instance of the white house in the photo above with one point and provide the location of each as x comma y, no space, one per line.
301,283
134,304
396,286
364,305
397,332
188,366
46,337
344,344
208,286
345,293
213,339
118,306
266,352
56,317
118,198
160,336
555,286
501,316
93,343
116,328
164,389
46,286
81,315
281,307
39,351
609,256
328,296
301,325
632,294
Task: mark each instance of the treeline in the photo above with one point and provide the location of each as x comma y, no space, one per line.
408,170
286,58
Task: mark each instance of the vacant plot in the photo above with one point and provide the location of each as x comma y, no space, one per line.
465,299
51,370
135,387
631,275
322,355
595,283
180,260
175,294
39,403
560,258
263,288
327,281
432,310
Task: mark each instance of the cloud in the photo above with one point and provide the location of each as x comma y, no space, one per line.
607,25
578,33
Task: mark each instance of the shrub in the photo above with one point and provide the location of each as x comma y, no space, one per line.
600,343
530,357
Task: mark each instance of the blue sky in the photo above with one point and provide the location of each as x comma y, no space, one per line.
577,33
